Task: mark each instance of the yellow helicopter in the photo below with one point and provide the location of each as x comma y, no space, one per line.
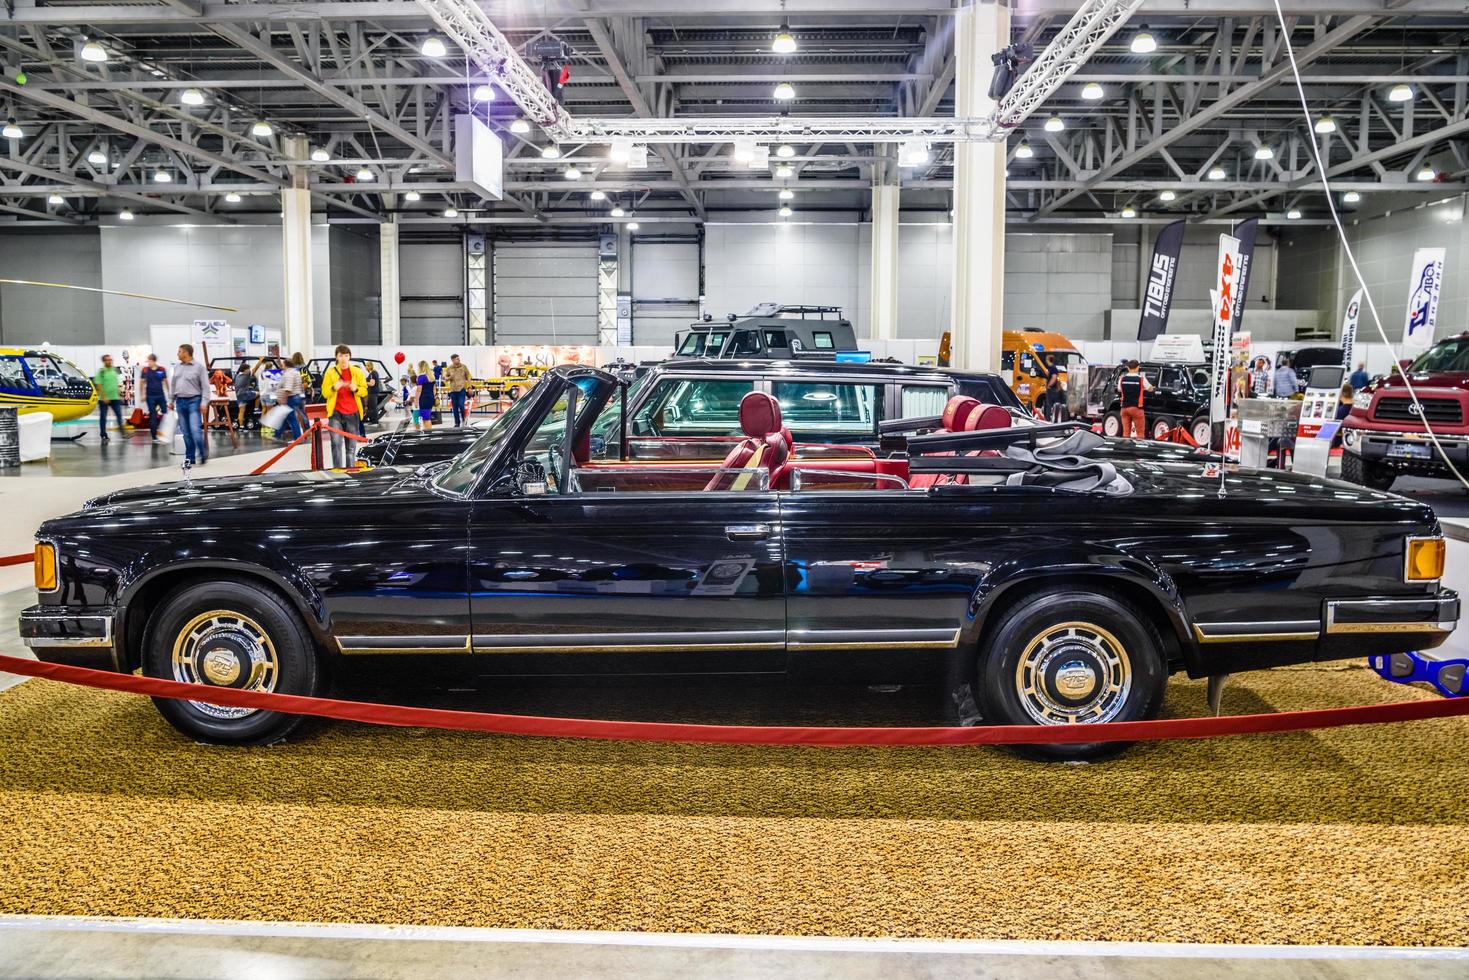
40,381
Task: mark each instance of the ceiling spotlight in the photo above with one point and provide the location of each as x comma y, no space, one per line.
1263,152
1144,43
411,196
1401,92
785,151
11,130
1091,91
1351,197
786,194
162,177
550,152
1426,174
484,93
1129,212
364,174
320,154
97,158
637,156
519,126
262,129
785,41
785,211
1023,151
617,211
1166,195
632,226
232,198
432,47
192,96
1325,125
125,215
92,51
571,173
784,92
744,150
451,212
785,171
760,159
1217,173
620,151
598,195
1054,124
913,153
55,199
1293,213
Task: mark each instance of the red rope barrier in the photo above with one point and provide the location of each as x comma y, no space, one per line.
277,457
24,559
649,731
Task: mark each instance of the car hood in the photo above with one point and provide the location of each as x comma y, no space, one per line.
272,492
1456,380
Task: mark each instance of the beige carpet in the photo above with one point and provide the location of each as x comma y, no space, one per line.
1347,836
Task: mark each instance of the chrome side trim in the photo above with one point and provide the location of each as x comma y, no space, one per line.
1257,632
353,645
487,643
922,639
48,642
1386,626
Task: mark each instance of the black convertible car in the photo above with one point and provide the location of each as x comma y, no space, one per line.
1055,576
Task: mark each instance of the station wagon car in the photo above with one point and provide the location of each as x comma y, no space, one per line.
1048,574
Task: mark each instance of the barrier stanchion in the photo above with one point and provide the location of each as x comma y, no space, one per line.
652,731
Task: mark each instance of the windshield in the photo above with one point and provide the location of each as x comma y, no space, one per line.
53,374
703,344
1448,355
607,429
460,476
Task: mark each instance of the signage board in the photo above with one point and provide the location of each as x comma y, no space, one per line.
1423,291
1177,348
478,158
1223,296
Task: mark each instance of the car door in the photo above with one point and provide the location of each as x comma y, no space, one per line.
644,581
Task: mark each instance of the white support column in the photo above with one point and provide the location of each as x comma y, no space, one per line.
884,256
391,333
980,29
296,238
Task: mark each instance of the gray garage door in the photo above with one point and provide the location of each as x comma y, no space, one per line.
545,293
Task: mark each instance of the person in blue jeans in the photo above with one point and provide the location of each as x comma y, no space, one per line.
190,388
155,392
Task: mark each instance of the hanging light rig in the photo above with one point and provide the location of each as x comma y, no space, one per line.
553,54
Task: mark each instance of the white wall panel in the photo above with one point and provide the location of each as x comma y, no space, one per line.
545,293
431,278
34,314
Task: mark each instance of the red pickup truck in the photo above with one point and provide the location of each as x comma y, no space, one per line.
1384,436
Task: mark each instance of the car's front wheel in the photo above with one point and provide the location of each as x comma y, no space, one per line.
1162,425
1071,658
1202,431
1377,476
1112,425
230,634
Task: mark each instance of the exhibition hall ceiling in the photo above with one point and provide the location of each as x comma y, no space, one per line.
188,108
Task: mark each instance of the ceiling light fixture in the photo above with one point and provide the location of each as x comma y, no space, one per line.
1092,91
12,131
1325,125
1293,213
364,174
1401,92
1129,212
1427,173
125,215
432,47
1054,124
451,212
162,177
519,126
192,96
1217,173
617,211
97,158
412,196
571,173
632,226
786,194
262,129
785,41
913,153
1144,43
620,151
785,211
784,92
1166,195
551,152
232,198
1263,152
785,151
484,93
94,52
785,171
744,150
598,195
320,154
1351,197
55,199
1023,151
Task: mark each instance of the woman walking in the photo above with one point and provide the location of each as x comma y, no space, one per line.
426,395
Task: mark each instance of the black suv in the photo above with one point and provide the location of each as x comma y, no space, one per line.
1180,396
699,398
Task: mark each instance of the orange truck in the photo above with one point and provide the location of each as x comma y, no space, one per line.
1023,356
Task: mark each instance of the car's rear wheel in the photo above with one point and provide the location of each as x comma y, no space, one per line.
230,634
1071,658
1112,425
1163,425
1202,431
1377,476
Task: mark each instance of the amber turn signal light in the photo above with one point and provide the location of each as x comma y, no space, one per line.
1425,559
45,567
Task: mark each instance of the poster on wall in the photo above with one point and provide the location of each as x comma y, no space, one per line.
241,349
1158,297
543,356
1423,289
1222,296
209,333
1349,329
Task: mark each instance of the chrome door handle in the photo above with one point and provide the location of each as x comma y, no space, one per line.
746,532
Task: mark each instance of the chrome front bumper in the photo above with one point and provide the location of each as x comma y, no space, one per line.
79,636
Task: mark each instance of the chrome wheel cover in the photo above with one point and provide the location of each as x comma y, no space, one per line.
223,648
1073,673
1111,427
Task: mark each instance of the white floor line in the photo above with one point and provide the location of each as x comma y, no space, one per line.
1004,947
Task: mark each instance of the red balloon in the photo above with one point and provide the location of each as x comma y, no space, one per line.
399,357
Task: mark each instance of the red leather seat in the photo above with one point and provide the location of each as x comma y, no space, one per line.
962,414
764,446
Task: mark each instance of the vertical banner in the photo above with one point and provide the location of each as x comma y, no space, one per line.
1223,294
1423,290
1245,232
1349,330
1161,274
